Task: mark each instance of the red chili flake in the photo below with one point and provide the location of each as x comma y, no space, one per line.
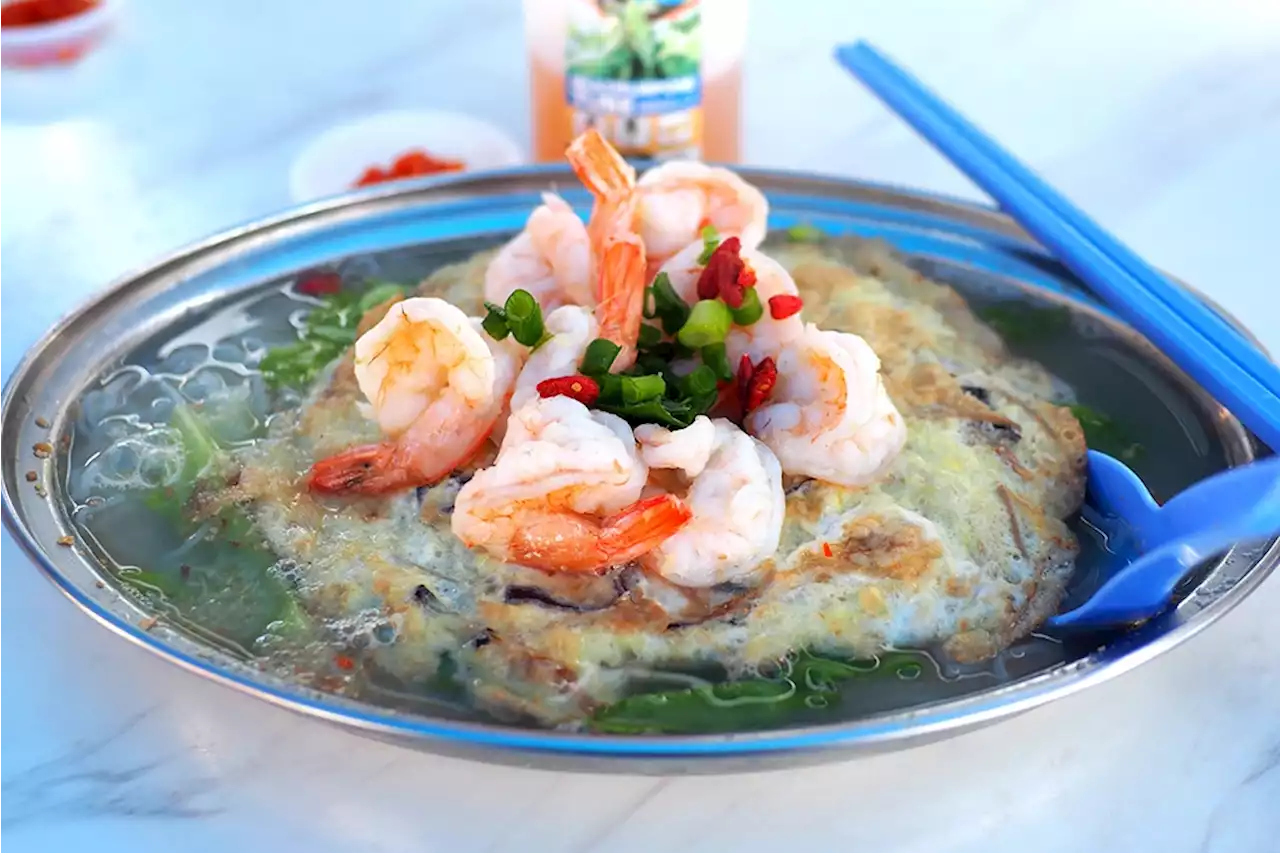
410,164
29,13
581,388
826,549
763,378
784,305
318,283
372,175
344,662
726,275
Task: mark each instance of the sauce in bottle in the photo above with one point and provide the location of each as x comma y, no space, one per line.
659,79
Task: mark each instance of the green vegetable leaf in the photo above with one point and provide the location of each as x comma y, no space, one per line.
327,331
1018,322
230,591
807,683
805,232
1102,433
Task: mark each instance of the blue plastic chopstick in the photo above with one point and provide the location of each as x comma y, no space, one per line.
1209,322
1246,386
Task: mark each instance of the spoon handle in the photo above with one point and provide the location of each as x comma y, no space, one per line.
1243,502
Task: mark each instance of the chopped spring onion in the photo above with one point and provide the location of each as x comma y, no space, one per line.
699,383
599,356
715,357
650,336
750,311
708,323
638,389
710,242
524,319
668,307
495,322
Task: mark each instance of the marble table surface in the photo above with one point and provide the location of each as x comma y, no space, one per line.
1162,118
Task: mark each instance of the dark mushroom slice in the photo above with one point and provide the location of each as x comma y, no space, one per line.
678,606
565,591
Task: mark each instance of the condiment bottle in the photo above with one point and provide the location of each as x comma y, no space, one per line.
659,79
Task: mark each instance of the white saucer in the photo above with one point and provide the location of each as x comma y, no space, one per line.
334,161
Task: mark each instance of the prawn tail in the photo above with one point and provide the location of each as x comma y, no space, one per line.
643,526
621,287
369,470
600,167
563,542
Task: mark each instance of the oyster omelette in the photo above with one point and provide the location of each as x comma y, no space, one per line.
646,443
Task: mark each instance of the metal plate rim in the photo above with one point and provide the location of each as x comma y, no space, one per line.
897,729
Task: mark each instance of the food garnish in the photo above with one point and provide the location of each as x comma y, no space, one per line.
805,232
411,164
1101,432
806,682
327,332
520,317
31,13
1019,323
784,305
581,388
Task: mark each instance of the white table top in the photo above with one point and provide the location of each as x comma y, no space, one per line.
1162,118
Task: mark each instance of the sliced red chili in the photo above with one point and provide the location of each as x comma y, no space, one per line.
584,389
344,662
745,369
763,378
826,549
27,13
319,284
726,275
784,305
372,175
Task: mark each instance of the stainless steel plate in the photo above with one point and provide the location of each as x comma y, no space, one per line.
973,248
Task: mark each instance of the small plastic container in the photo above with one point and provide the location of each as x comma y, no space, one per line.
334,161
58,43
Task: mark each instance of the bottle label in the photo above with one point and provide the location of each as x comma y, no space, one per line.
634,73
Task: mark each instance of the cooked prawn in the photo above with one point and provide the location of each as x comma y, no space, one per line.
571,327
616,245
735,495
563,494
678,199
766,336
830,416
551,258
435,384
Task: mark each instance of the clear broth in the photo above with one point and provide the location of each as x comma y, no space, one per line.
231,591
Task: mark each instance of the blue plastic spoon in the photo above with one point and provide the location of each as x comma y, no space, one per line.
1166,542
